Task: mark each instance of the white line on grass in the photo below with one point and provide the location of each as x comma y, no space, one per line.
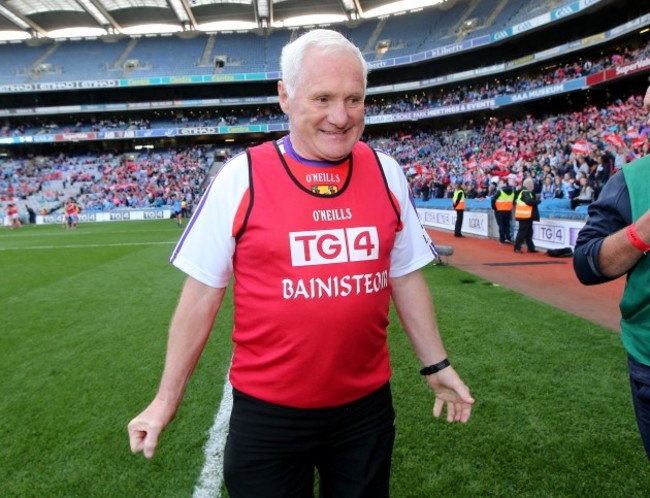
209,485
28,233
85,246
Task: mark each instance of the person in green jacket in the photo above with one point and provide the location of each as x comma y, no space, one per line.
615,241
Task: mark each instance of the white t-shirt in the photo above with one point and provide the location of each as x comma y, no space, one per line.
205,251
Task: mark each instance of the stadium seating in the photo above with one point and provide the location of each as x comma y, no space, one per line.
241,52
164,56
16,59
555,204
245,52
83,60
403,35
199,53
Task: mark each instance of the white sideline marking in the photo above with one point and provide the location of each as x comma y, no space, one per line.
85,246
209,485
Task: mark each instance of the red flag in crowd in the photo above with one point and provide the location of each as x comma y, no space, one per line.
486,164
638,142
580,147
614,139
472,164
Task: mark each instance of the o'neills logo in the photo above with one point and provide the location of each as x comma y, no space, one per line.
323,178
332,214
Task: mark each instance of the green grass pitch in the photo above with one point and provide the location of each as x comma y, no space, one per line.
84,316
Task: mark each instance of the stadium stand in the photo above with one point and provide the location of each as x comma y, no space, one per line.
242,51
17,60
81,60
491,87
478,150
197,53
403,35
157,56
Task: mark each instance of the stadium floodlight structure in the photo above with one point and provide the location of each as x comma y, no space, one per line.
27,27
101,15
183,12
23,19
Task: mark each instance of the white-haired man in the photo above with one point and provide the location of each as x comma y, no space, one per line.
526,212
319,232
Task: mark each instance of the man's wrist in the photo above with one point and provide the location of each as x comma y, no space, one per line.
435,368
636,240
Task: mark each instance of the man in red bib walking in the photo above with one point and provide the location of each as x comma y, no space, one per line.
320,233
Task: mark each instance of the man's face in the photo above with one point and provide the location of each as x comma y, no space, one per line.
326,113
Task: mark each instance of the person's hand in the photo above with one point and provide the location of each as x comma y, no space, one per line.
145,429
646,99
451,391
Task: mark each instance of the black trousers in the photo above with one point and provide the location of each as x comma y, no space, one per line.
525,235
640,383
503,222
272,451
459,222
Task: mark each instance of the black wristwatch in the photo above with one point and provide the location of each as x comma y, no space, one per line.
435,368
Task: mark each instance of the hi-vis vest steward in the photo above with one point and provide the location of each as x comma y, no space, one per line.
461,203
523,211
504,202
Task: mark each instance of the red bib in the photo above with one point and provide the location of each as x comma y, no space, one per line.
311,289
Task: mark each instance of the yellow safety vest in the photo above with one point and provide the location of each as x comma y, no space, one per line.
461,204
504,201
523,211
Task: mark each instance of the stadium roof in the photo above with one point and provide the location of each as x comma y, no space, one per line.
21,19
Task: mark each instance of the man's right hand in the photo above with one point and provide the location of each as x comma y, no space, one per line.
145,429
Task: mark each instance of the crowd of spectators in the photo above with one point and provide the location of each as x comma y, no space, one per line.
434,97
108,181
507,85
166,118
150,180
569,155
43,178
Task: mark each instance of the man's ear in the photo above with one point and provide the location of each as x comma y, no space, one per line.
283,97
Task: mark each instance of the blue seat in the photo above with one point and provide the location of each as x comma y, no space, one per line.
555,204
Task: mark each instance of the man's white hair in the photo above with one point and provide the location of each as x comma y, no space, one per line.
328,41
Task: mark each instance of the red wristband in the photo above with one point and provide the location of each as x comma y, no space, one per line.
636,241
